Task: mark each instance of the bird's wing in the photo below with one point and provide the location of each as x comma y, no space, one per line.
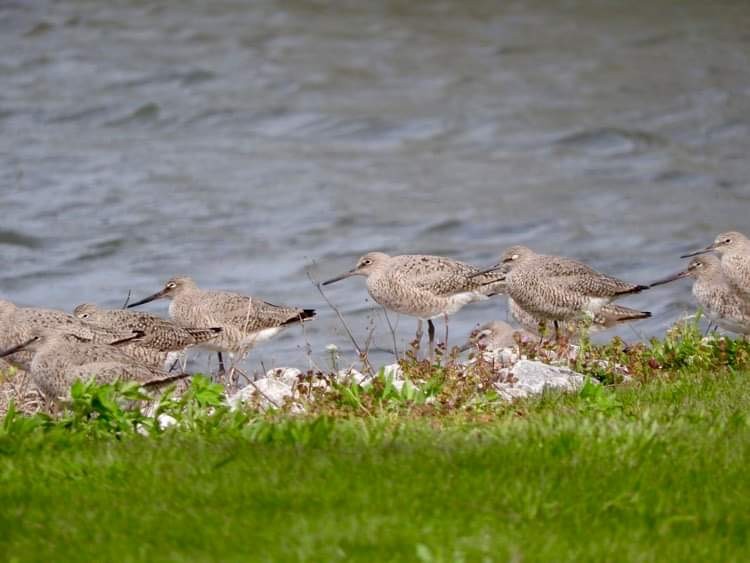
444,276
581,278
253,314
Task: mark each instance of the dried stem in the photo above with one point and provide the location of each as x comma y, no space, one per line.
362,354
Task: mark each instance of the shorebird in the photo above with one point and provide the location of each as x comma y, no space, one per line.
734,249
423,286
59,359
609,316
245,321
163,341
721,301
496,335
18,323
557,289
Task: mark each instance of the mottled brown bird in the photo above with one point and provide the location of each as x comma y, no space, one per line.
734,249
558,289
163,341
59,359
721,301
423,286
245,321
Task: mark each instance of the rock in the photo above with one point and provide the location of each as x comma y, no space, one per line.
395,374
271,391
165,421
347,376
391,371
528,377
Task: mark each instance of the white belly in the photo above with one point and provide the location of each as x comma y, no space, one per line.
456,302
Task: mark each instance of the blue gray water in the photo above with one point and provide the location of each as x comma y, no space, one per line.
245,143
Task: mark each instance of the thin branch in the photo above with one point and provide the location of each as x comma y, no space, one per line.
393,333
266,397
362,355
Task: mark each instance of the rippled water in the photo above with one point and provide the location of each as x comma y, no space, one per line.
245,142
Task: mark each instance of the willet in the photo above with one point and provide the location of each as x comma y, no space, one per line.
557,289
18,323
734,249
496,335
163,341
59,359
245,321
423,286
721,301
609,316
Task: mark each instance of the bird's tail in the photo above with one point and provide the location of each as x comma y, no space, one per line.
610,315
303,315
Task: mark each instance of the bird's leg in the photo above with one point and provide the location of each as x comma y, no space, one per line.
542,330
222,371
445,318
431,334
420,332
557,331
708,328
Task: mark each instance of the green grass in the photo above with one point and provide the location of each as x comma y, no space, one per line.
656,472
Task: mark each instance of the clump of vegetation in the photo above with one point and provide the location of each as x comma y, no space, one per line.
445,389
684,349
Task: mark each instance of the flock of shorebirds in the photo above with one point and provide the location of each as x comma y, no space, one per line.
57,348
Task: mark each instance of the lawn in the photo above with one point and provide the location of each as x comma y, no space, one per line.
653,472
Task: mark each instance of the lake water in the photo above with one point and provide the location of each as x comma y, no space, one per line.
246,143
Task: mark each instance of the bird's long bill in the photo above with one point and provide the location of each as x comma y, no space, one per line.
669,279
343,276
154,297
495,268
709,248
15,349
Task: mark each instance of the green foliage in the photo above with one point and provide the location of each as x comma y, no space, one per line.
598,399
656,472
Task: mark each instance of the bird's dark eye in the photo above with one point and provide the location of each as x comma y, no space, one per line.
171,286
85,316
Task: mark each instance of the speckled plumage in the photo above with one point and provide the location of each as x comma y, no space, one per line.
423,286
609,316
734,250
556,288
720,300
17,324
60,358
496,335
245,321
161,337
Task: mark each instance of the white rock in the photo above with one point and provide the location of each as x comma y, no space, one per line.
287,375
270,391
351,376
165,421
528,377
